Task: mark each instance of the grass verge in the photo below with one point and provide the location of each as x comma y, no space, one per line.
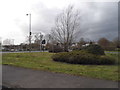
43,61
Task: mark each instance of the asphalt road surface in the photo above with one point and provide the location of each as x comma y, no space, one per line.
28,78
21,51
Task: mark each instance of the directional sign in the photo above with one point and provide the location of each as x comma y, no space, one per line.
43,41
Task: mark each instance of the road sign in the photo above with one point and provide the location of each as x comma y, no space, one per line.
43,41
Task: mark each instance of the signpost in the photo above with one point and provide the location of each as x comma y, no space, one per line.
43,43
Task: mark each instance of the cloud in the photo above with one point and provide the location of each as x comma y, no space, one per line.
99,19
42,19
45,19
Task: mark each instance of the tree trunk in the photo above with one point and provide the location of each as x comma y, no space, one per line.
65,48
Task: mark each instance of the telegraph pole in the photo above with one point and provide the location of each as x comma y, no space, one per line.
29,31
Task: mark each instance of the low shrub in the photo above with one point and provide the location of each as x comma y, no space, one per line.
106,60
82,57
60,57
94,49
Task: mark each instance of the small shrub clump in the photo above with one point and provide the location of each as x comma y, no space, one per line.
94,49
83,57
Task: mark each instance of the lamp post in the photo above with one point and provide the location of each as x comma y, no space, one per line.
29,31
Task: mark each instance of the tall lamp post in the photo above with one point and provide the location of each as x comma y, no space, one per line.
29,31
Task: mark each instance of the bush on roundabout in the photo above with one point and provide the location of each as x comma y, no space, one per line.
83,57
94,49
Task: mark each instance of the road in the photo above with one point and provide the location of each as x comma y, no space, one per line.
28,78
22,51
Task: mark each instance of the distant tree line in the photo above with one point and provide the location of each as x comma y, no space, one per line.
109,45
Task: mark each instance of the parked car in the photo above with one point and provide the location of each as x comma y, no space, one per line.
12,50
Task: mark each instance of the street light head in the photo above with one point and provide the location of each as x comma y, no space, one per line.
27,14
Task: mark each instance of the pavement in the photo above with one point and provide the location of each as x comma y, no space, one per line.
28,78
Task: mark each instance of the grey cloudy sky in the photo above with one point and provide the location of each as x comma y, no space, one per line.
98,19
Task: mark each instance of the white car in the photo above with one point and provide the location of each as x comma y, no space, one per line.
12,50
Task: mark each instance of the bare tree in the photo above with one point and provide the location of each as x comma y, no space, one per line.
104,43
38,39
116,42
50,42
66,25
27,39
48,38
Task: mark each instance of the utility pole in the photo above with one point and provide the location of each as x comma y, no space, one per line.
29,31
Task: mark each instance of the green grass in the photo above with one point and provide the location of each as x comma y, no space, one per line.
43,61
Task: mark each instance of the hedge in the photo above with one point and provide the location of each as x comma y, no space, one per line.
83,57
94,49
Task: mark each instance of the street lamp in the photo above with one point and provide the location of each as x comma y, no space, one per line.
29,31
